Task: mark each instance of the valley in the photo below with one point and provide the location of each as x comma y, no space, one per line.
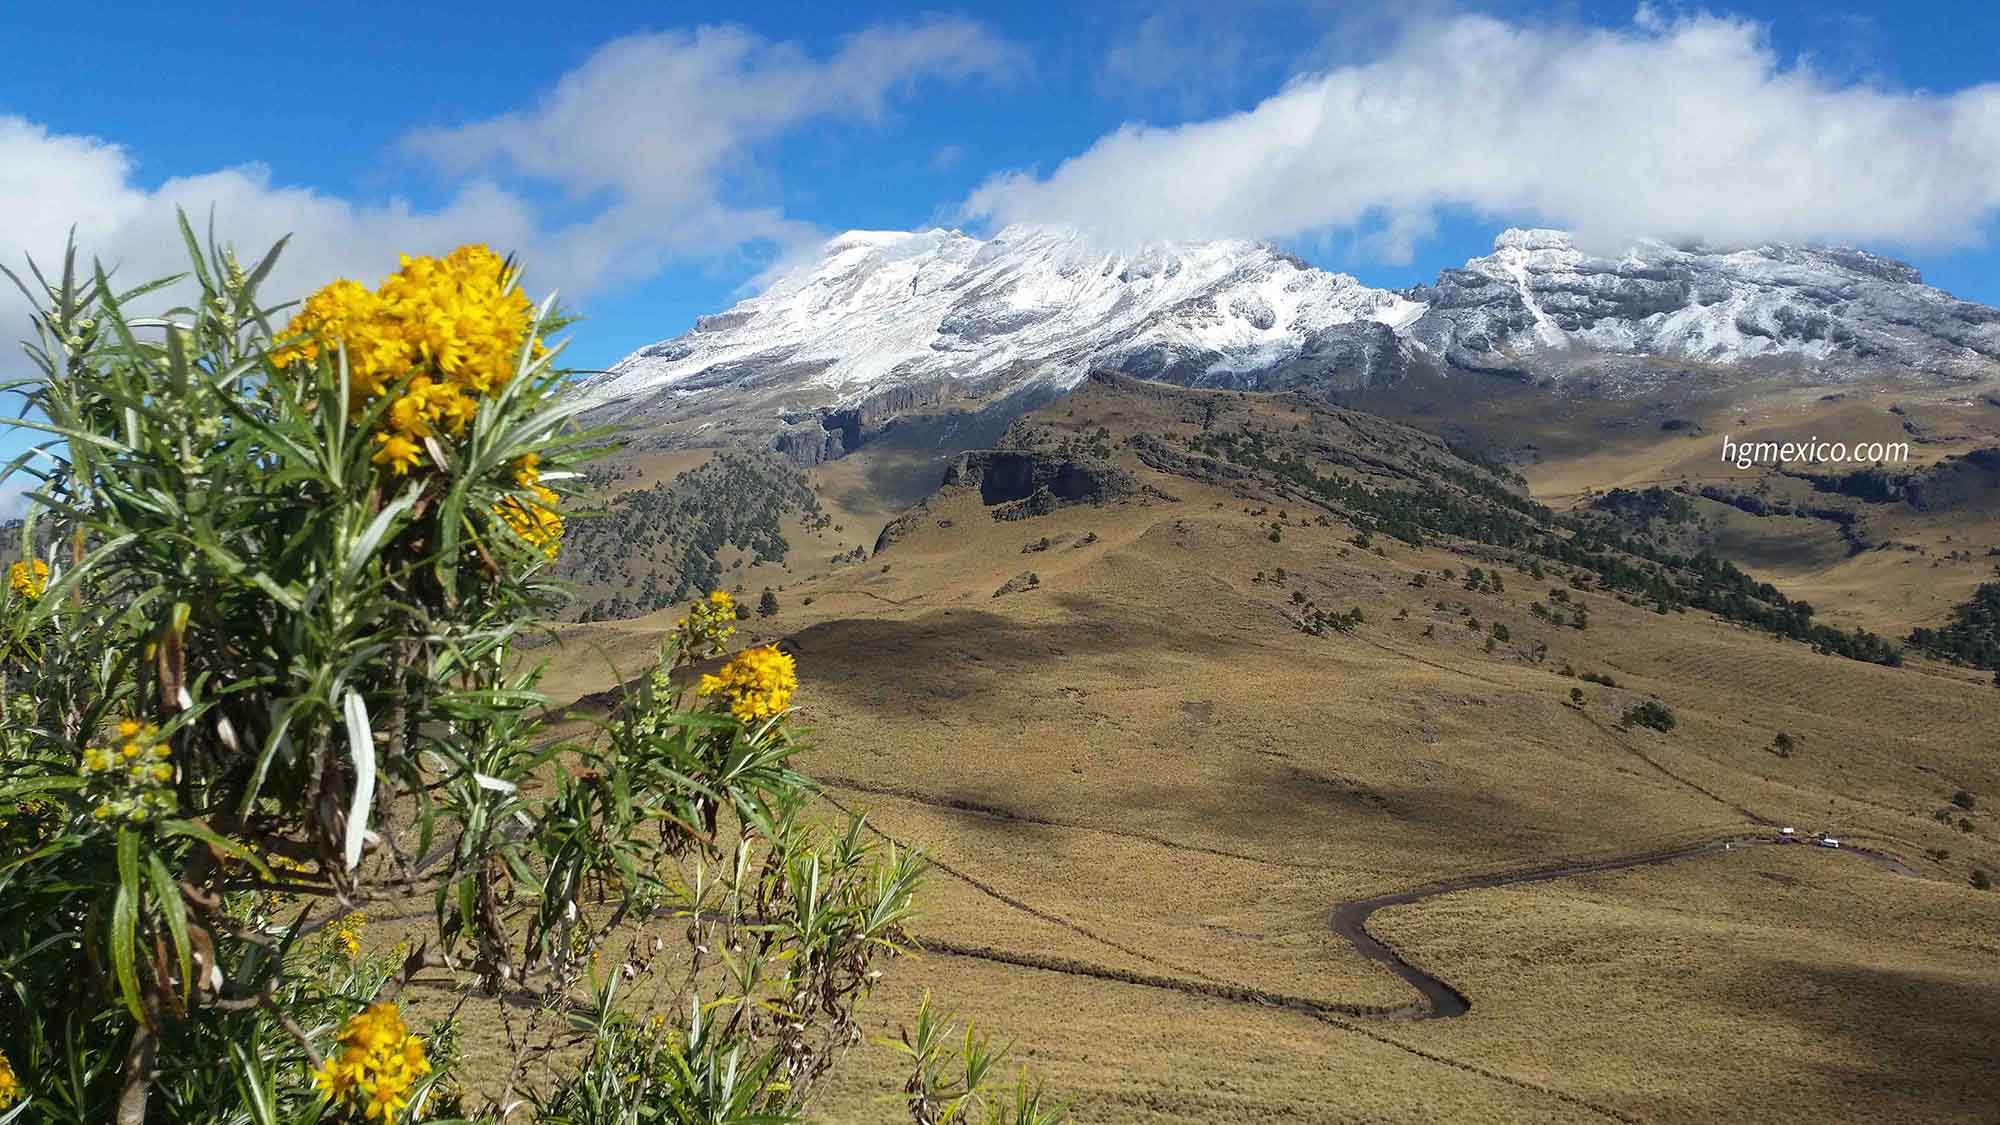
1149,777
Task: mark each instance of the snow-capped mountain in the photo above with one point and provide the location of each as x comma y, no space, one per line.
891,322
1032,306
1832,311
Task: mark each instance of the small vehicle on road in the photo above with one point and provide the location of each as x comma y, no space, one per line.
1787,835
1828,842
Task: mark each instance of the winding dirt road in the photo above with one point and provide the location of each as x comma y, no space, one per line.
1441,1000
1347,919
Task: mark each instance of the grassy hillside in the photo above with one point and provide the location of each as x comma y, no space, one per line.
1147,778
1880,562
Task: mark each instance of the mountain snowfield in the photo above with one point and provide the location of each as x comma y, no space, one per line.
928,316
1036,305
1828,311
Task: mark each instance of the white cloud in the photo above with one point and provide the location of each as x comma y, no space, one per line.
643,136
50,182
659,122
1687,129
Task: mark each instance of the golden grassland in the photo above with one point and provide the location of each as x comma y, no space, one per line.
1139,769
1141,778
1783,977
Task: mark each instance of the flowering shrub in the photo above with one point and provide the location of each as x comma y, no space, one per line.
131,777
756,685
259,682
378,1063
26,580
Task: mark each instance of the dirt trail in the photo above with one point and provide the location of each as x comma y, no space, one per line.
1442,1001
1349,920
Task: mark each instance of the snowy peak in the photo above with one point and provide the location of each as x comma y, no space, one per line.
1033,306
1831,310
886,322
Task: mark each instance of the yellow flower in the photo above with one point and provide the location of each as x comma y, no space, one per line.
29,578
536,521
349,933
397,452
410,415
377,1063
527,470
10,1083
708,625
757,684
455,327
133,780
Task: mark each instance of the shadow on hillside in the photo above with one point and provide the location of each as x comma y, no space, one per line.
1928,1041
961,654
906,462
971,665
892,480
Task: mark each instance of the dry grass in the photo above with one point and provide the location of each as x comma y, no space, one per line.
1140,767
1795,983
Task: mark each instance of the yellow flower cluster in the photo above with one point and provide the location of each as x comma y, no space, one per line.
757,684
29,578
348,933
133,778
10,1084
377,1064
453,327
537,520
709,624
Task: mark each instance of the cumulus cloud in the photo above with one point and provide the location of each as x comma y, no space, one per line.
50,182
1689,129
657,123
640,140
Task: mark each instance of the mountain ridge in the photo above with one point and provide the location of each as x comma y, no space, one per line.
890,323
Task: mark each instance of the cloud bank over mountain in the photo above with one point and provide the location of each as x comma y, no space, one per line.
1688,129
622,167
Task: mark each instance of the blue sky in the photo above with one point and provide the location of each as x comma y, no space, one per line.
417,125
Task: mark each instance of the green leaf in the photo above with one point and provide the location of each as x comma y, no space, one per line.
370,540
195,830
125,923
169,898
194,252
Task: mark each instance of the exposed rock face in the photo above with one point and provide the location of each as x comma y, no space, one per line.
1004,475
1020,483
1971,481
1026,580
889,327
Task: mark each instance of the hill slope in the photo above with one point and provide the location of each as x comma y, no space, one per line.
1150,774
